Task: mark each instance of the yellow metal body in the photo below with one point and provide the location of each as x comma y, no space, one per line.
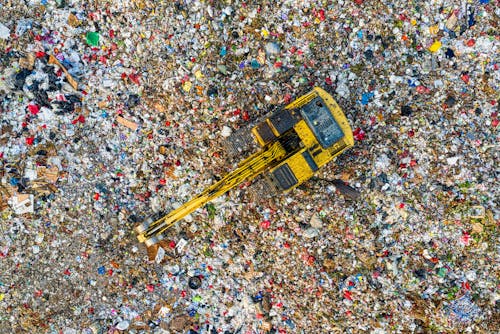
296,141
322,156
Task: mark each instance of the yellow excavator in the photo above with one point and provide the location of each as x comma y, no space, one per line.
295,141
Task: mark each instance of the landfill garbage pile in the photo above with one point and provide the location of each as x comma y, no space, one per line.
112,111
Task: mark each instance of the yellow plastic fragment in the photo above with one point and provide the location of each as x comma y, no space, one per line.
261,57
413,22
435,46
433,29
187,86
199,75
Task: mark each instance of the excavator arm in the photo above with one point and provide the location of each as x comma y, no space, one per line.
151,231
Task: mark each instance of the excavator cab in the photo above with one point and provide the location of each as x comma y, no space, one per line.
313,129
295,142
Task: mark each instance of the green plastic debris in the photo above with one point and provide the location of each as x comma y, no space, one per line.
92,38
211,210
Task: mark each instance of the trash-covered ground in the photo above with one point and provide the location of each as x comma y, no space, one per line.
113,110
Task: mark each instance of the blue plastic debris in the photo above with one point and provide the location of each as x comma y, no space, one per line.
463,309
366,97
254,64
223,51
290,323
449,53
258,297
471,21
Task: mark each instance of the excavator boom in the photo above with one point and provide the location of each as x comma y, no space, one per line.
150,232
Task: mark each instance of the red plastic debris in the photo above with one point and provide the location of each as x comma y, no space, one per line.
265,224
423,90
33,108
321,14
135,78
245,115
348,295
80,119
359,134
465,238
465,77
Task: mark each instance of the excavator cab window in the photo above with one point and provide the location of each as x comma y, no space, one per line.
322,123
